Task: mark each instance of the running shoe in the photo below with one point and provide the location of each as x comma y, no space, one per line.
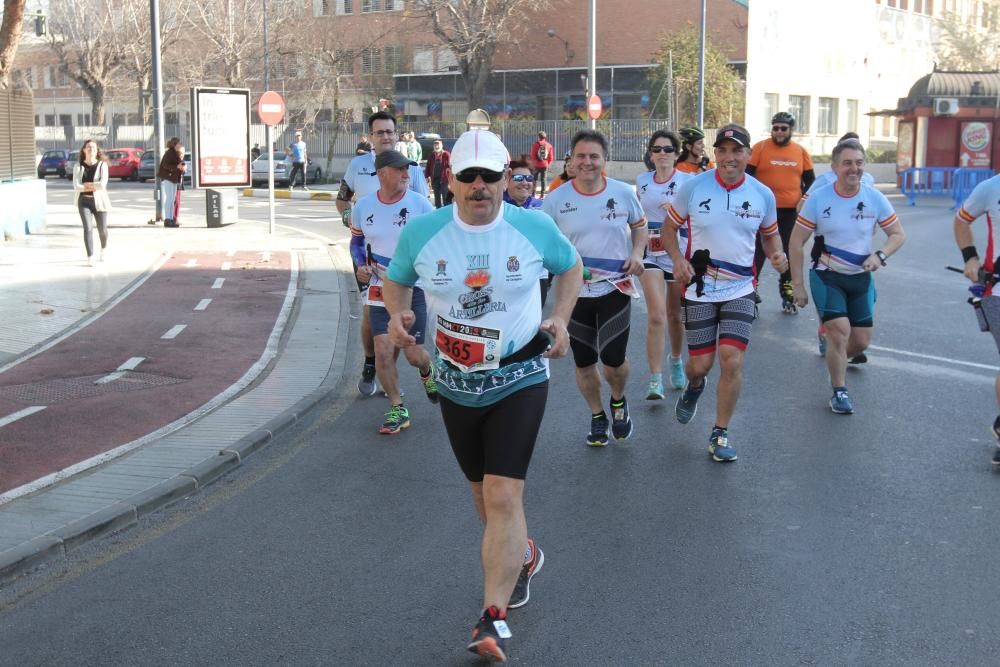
367,385
996,427
521,593
655,391
687,404
490,635
859,359
621,421
598,436
841,403
677,377
788,299
822,344
719,447
430,386
396,420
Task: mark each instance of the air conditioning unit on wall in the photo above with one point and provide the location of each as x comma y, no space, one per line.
945,106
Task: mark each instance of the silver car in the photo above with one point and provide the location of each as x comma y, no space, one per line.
282,170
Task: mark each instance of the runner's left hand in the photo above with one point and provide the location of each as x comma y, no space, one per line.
779,261
556,328
633,266
399,329
872,263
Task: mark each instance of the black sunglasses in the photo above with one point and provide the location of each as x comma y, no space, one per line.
470,175
780,128
665,149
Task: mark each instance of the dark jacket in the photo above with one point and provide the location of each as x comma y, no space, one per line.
445,158
170,166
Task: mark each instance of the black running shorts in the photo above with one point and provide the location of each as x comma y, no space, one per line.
496,439
599,328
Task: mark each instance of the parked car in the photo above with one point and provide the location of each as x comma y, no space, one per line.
123,163
58,161
282,170
148,165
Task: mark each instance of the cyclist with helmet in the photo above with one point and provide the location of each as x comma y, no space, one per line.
786,167
693,158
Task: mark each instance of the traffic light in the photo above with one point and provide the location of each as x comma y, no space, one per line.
40,29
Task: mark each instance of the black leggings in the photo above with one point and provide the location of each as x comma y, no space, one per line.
88,213
496,439
599,329
786,223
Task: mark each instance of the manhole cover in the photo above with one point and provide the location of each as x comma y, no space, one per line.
58,390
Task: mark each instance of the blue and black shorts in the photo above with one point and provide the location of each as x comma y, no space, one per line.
839,295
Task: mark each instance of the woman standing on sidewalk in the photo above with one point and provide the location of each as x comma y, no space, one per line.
90,185
170,173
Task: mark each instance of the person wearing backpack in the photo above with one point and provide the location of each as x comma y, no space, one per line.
542,155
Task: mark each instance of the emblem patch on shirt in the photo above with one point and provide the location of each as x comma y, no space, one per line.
513,265
746,210
704,206
442,269
400,219
609,207
860,212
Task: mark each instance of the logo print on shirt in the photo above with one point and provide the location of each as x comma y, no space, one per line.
567,207
643,188
746,210
442,269
826,212
370,220
478,262
513,265
479,301
704,206
610,206
860,212
671,187
400,219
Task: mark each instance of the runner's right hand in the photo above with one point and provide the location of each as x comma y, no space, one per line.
364,274
800,296
399,329
683,271
972,268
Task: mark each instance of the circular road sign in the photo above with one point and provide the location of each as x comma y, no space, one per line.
271,108
594,107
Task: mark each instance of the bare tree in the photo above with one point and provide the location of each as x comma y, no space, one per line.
970,43
234,31
138,64
10,37
472,29
90,39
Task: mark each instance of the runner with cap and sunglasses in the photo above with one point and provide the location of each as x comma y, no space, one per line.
603,218
359,181
723,209
479,262
376,224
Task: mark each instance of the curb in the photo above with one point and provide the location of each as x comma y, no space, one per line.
321,195
49,547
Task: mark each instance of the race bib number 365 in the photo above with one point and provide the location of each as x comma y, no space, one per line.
471,348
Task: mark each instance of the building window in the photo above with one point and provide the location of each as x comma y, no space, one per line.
36,120
345,61
826,116
626,106
65,119
798,106
852,115
423,60
322,7
371,61
344,6
770,108
393,59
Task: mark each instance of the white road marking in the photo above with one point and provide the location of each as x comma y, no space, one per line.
129,365
191,262
174,331
931,357
226,266
218,283
203,304
11,418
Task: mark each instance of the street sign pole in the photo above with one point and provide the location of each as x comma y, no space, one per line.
592,57
158,117
270,180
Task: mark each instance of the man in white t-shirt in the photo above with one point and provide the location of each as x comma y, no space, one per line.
724,208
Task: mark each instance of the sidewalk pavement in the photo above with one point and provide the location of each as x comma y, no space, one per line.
319,191
306,359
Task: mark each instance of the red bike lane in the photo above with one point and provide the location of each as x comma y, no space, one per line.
68,404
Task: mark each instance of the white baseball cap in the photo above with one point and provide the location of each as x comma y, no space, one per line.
479,148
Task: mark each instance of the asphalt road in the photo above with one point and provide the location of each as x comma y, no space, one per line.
865,539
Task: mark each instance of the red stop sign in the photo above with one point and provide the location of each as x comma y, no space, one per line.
594,107
271,108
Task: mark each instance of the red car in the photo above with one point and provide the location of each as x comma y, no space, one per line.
123,163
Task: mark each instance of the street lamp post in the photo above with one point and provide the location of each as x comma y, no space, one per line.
701,69
570,53
592,56
154,35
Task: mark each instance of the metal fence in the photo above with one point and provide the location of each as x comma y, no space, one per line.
627,137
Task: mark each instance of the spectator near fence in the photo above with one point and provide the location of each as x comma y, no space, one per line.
542,155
